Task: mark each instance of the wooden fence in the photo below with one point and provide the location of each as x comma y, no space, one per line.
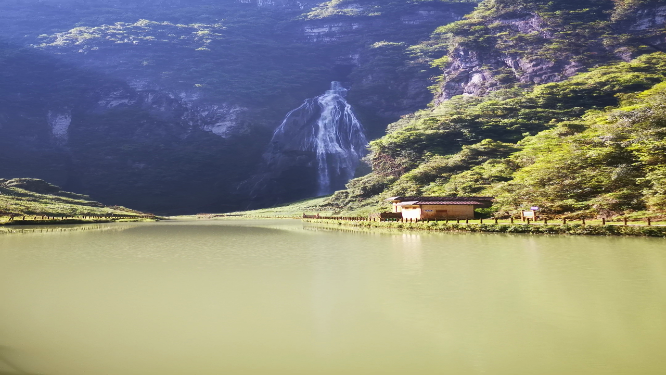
544,221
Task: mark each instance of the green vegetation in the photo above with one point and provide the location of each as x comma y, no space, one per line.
590,145
292,210
31,197
252,63
227,50
510,39
508,115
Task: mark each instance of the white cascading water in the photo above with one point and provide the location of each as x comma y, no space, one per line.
327,126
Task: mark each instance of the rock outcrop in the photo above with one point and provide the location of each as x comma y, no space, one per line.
528,45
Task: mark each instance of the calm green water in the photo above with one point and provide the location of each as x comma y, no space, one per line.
281,297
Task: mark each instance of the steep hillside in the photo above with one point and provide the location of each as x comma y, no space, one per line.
29,196
590,144
92,133
514,117
169,106
520,43
203,106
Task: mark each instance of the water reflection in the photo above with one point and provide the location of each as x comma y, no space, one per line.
409,247
54,229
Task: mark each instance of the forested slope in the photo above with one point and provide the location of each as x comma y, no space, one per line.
168,106
509,43
580,143
33,197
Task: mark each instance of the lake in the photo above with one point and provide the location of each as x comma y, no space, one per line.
283,297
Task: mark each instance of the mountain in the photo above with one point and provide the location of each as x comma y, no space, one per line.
175,107
550,104
521,43
169,106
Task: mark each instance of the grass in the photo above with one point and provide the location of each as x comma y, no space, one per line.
291,210
21,206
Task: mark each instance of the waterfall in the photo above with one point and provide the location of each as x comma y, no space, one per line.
326,127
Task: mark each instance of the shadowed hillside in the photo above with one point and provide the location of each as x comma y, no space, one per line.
33,197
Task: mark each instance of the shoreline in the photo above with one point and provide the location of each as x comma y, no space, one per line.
568,229
633,230
46,222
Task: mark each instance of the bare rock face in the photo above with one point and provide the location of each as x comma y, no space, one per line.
384,83
647,18
526,49
474,71
171,115
645,24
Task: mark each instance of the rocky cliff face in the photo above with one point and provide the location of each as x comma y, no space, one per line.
184,110
503,47
100,136
315,150
385,81
158,105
